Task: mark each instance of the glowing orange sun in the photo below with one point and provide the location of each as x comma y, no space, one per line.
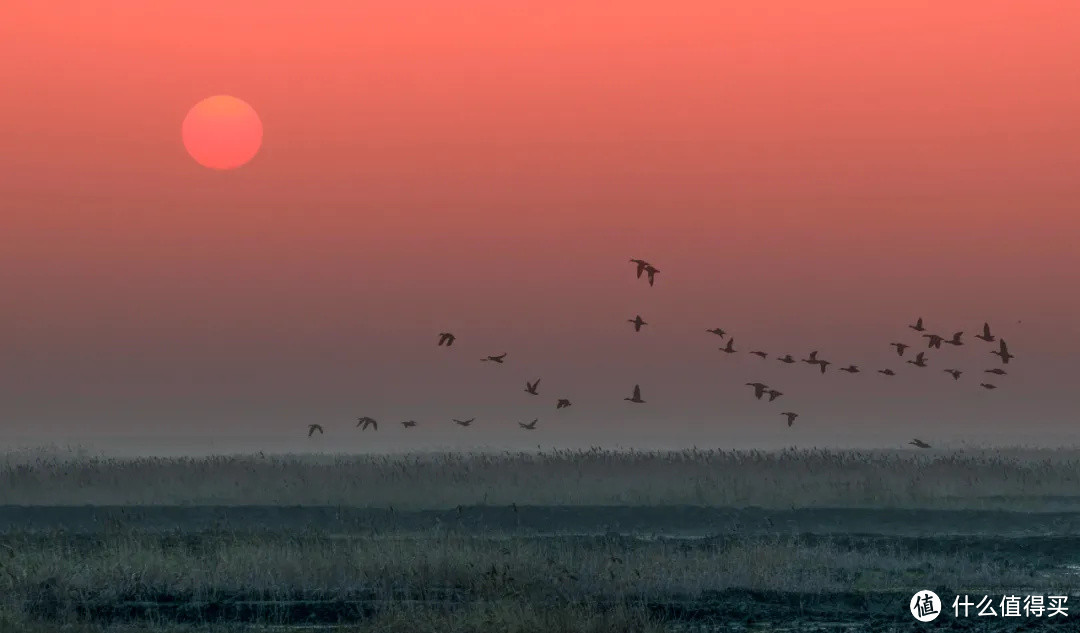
222,132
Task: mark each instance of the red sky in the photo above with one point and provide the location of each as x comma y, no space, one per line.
805,175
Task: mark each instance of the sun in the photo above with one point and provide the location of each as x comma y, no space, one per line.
222,132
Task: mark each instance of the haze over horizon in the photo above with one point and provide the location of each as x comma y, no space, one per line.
804,175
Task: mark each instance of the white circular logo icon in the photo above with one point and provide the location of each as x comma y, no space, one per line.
925,606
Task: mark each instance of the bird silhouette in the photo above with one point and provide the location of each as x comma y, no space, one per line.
651,272
730,349
986,335
935,340
311,428
759,388
786,359
446,338
955,373
365,422
887,372
920,360
1003,352
813,360
637,395
790,417
955,340
851,369
638,322
900,347
773,394
918,327
530,426
463,422
761,354
919,443
530,387
986,385
495,359
641,264
562,403
996,370
408,424
717,331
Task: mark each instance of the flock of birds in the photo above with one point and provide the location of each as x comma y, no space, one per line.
934,341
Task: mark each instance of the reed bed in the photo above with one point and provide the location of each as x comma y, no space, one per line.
58,577
1014,479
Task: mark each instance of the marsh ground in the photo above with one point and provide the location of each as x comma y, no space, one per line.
178,549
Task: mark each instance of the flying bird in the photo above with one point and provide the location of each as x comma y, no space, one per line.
900,347
641,264
651,271
918,327
986,385
887,372
408,424
495,359
446,338
463,422
773,394
919,443
311,428
1003,352
562,403
717,331
638,322
955,373
730,349
790,417
986,335
851,369
761,354
530,426
530,387
813,360
759,388
920,360
365,422
637,395
786,359
935,340
996,370
955,339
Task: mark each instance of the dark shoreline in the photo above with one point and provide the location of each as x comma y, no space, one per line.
666,520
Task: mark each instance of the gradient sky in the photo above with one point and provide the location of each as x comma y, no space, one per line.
806,175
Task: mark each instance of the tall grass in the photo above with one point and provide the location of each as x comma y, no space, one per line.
57,576
497,616
1017,479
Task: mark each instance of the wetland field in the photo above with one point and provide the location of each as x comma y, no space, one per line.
595,540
